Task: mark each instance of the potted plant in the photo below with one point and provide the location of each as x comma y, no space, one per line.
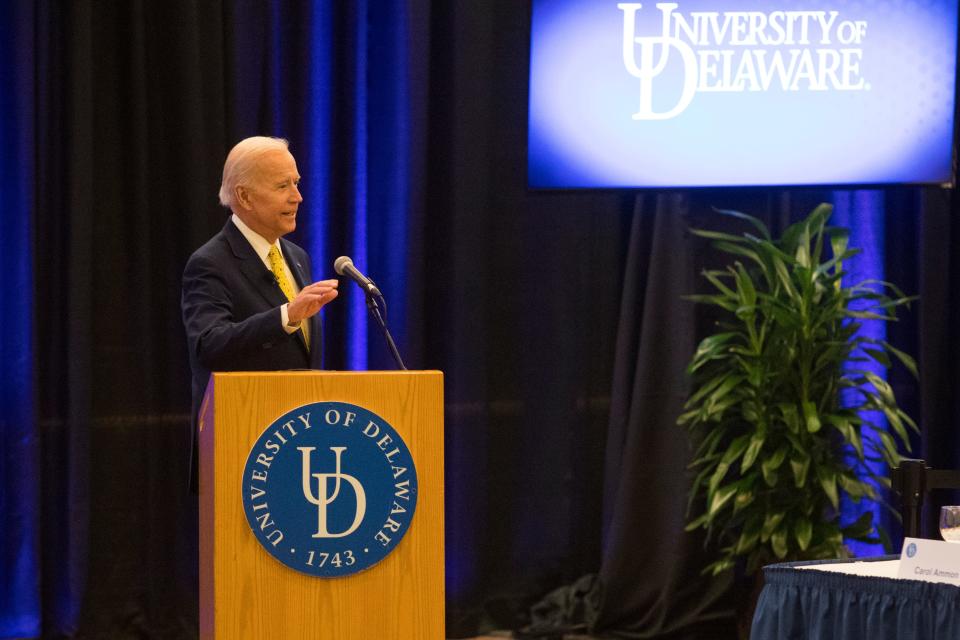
774,440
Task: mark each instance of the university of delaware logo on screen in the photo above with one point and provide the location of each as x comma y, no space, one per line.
736,52
329,489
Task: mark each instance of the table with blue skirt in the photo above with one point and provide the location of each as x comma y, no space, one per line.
820,600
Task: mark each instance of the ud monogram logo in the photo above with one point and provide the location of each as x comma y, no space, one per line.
322,503
329,489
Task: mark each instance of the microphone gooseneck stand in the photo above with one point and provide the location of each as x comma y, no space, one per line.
374,309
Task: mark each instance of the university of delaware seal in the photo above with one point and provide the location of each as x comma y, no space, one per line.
329,489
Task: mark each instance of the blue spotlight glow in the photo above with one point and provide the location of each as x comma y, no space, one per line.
20,605
357,356
317,173
388,134
862,212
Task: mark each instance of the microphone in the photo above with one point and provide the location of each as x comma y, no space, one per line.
344,267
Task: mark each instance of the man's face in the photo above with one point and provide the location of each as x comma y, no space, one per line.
268,204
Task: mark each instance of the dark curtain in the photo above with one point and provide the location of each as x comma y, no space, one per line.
556,317
938,349
132,104
649,580
521,304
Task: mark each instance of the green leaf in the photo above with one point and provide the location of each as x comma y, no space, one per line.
800,468
748,292
908,420
747,541
712,404
715,278
770,523
802,253
778,542
789,237
770,465
828,481
736,448
850,432
697,523
740,250
817,220
839,237
708,387
717,235
879,355
810,416
688,418
756,222
713,345
720,497
867,315
718,475
743,499
871,284
803,532
889,449
861,528
905,359
790,416
750,455
853,487
756,374
883,388
784,277
718,567
708,445
893,419
717,300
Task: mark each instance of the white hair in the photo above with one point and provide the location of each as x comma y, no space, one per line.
242,161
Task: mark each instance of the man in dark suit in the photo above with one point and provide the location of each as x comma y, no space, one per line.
249,302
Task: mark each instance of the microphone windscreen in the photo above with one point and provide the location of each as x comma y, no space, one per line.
341,263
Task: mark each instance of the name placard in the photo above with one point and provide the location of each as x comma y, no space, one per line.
930,560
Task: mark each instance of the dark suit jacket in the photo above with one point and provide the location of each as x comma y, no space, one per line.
231,312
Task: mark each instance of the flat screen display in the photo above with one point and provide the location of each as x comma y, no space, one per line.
712,93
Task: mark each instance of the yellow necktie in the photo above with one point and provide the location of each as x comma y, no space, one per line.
276,265
280,273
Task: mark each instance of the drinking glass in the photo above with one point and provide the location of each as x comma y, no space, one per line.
950,523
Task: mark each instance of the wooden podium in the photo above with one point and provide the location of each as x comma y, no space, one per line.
245,593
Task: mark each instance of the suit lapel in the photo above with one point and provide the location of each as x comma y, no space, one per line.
261,279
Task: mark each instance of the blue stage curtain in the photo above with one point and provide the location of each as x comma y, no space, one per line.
20,553
127,112
345,82
361,151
